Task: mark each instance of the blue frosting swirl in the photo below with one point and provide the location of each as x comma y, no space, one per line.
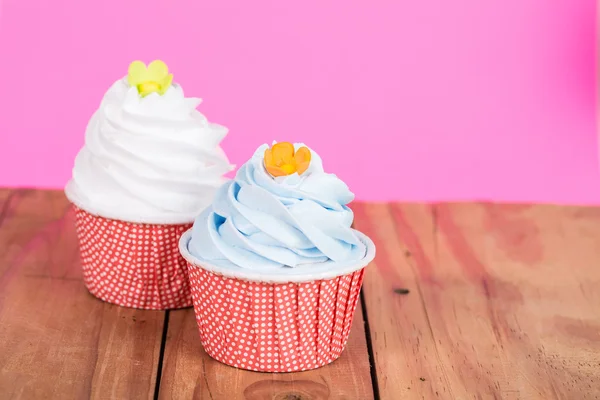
260,222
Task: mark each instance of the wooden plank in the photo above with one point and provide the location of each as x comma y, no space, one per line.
56,340
535,272
188,372
504,301
403,347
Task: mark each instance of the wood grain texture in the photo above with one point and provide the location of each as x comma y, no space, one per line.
504,301
189,373
464,301
56,340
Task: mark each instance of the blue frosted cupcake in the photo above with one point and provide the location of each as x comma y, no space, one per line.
274,264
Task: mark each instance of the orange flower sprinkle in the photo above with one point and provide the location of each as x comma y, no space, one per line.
282,159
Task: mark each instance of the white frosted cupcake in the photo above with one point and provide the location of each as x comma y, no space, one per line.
274,265
150,164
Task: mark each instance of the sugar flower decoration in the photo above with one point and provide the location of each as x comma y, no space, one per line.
282,159
152,79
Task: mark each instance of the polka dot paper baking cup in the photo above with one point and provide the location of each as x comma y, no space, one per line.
133,265
274,323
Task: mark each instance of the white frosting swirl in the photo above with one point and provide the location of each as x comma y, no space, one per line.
150,160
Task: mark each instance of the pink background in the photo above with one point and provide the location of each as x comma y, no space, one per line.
408,100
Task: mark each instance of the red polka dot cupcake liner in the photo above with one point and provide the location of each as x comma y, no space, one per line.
132,264
266,324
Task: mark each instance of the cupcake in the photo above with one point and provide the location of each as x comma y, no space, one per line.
275,267
150,164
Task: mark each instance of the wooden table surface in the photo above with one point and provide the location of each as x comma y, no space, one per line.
463,301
